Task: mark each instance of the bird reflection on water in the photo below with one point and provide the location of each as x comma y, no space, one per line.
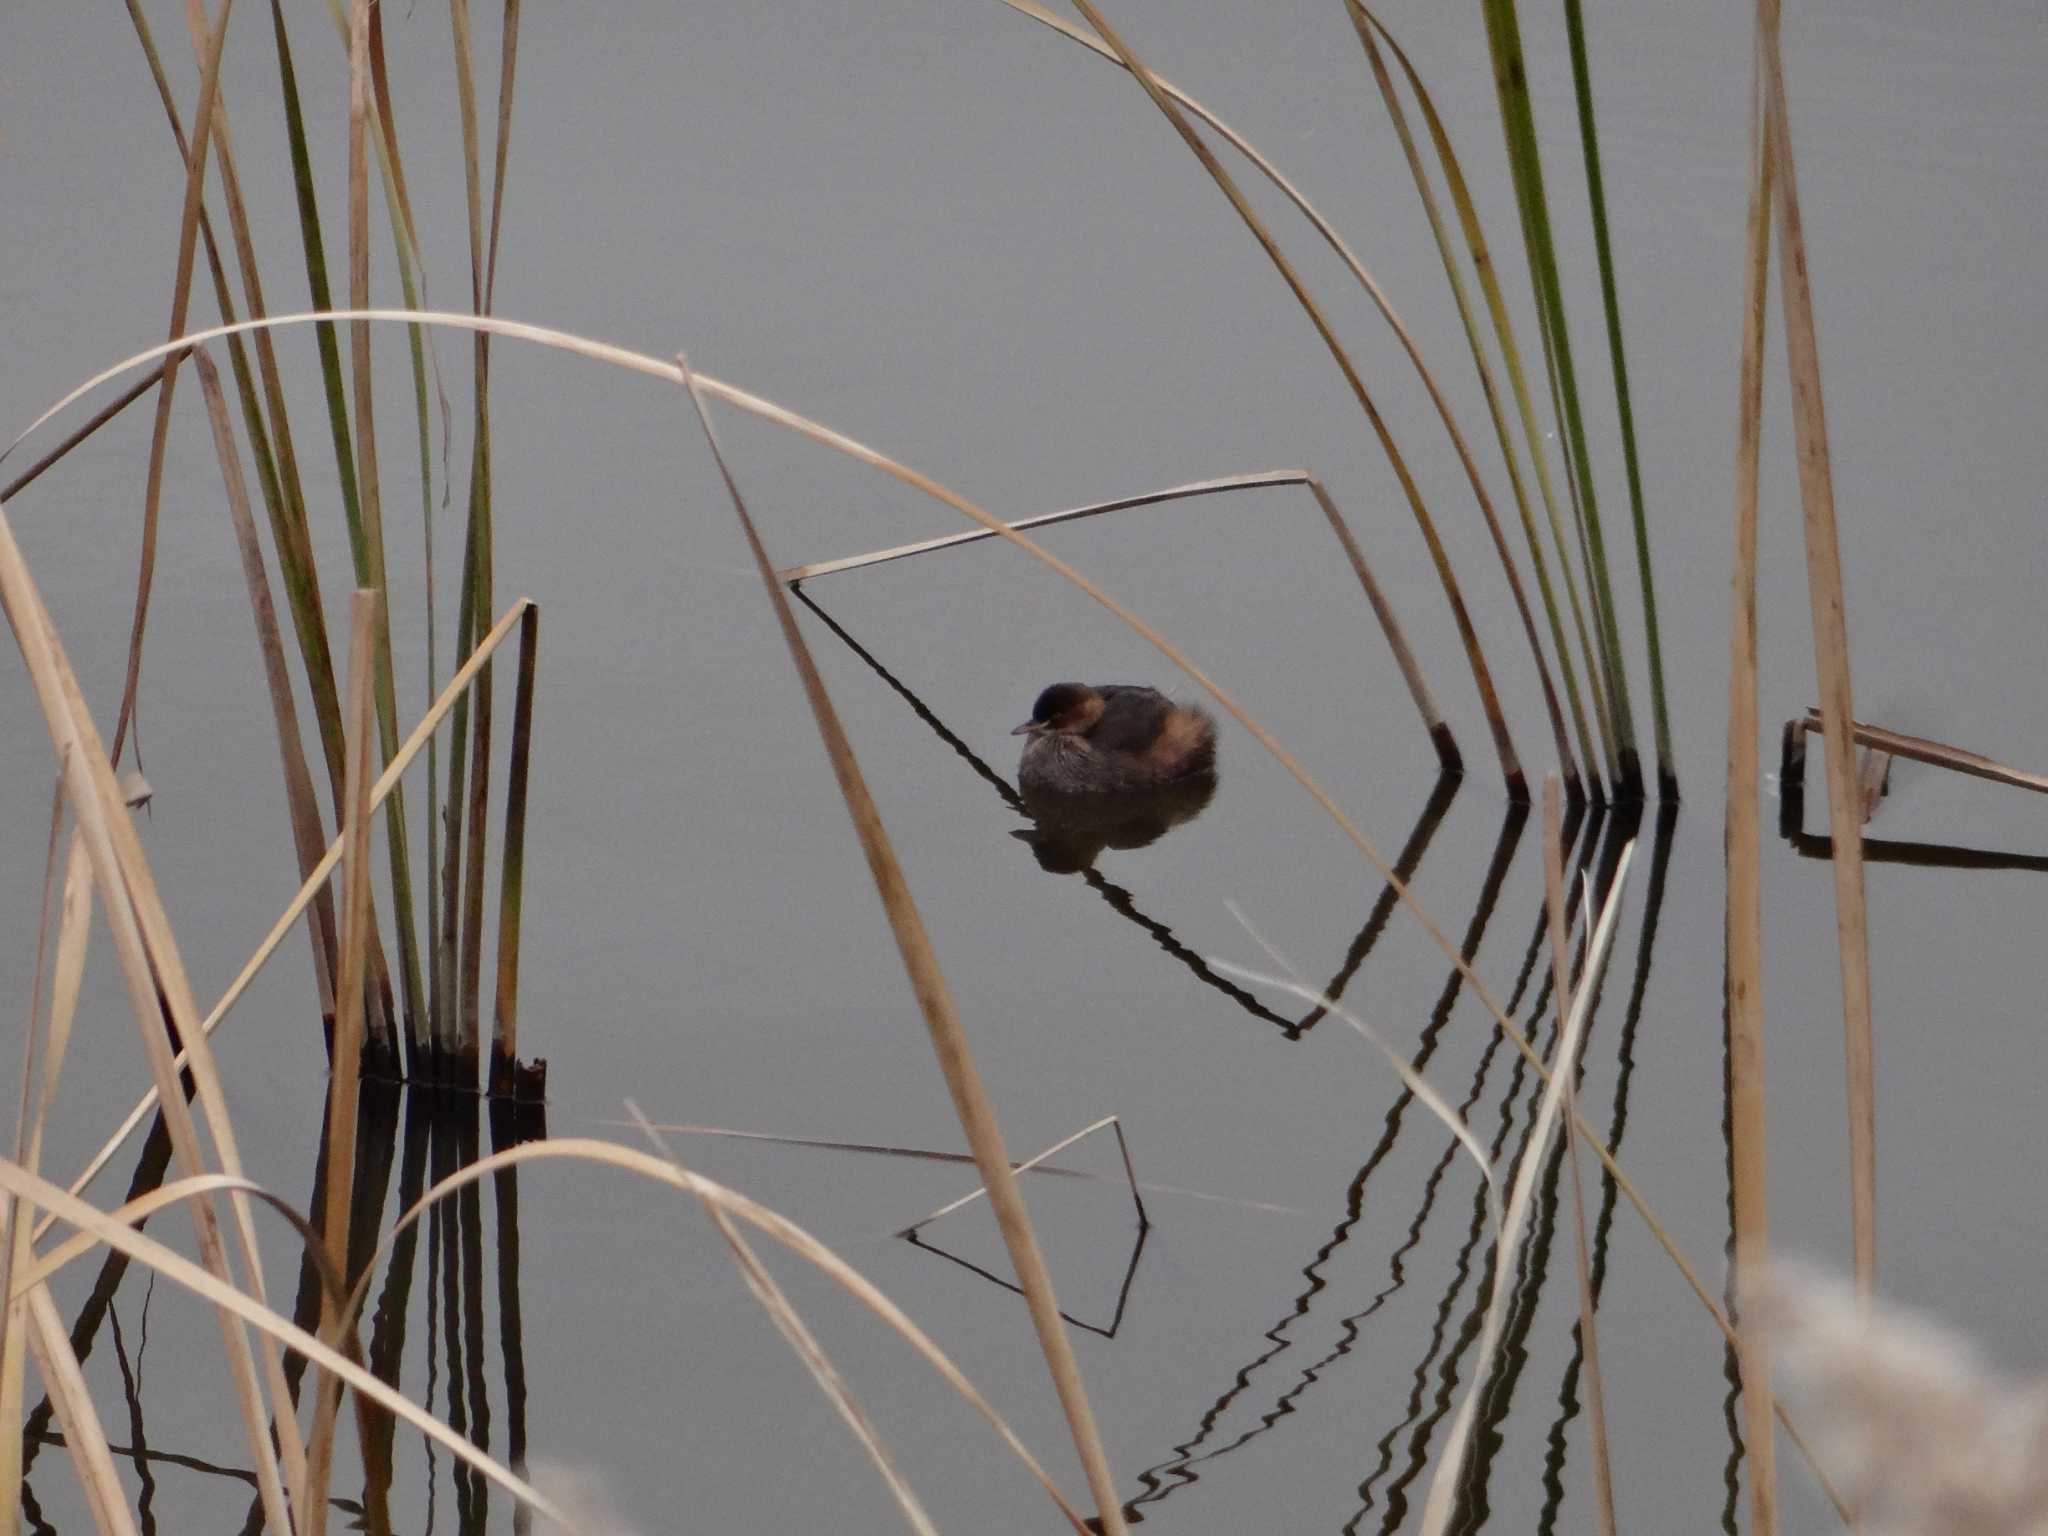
1068,832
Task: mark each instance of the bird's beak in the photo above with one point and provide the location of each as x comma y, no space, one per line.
1028,727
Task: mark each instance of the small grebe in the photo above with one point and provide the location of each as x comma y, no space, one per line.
1111,739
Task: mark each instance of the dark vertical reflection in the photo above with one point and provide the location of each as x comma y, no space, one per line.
426,1134
1415,1423
150,1166
138,1432
1532,1264
446,1242
513,1124
469,1207
1568,1391
1731,1366
1177,1470
1405,866
387,1322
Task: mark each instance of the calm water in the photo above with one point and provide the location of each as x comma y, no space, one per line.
954,235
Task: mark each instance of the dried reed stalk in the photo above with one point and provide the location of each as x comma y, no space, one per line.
949,1040
1830,655
798,1335
1744,841
119,1235
1441,739
512,870
158,990
1935,754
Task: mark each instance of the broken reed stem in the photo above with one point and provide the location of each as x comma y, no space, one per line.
1561,990
949,1040
512,872
1747,1163
1935,754
1439,731
1831,659
1482,676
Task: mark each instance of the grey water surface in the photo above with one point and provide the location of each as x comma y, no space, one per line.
955,236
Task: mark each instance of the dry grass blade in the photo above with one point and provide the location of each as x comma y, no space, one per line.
14,1246
91,1457
794,1238
1830,655
1561,988
1528,1173
179,1270
74,935
158,990
300,800
1748,1163
1482,675
1357,268
949,1040
1440,736
797,1334
791,1326
181,295
421,734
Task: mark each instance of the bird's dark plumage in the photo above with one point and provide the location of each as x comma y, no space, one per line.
1112,738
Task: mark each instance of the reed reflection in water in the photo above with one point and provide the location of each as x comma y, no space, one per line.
426,1134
